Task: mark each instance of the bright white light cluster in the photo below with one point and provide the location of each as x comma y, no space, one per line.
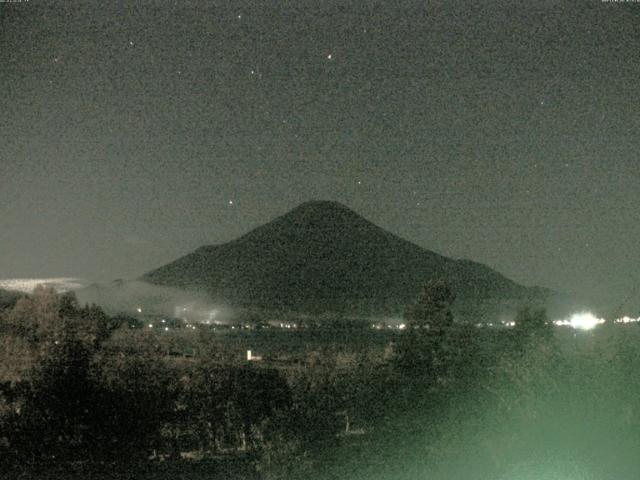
581,321
578,321
628,320
588,321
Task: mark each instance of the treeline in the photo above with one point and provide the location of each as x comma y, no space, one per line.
443,400
79,386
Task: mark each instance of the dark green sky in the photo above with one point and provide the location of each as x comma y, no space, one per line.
501,131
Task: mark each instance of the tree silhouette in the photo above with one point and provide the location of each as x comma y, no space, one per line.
532,323
424,351
432,311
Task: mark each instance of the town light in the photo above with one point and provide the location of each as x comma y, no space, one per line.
584,321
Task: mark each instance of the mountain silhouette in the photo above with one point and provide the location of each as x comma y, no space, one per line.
323,257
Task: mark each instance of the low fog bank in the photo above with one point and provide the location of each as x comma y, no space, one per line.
141,297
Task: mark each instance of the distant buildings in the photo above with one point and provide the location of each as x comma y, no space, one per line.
252,358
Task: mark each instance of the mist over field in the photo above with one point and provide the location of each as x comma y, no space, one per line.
129,296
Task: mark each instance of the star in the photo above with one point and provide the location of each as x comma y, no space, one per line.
230,202
330,56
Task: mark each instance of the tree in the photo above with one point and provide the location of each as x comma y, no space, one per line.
52,341
137,396
424,351
432,311
532,323
67,393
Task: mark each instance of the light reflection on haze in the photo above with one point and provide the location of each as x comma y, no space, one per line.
27,285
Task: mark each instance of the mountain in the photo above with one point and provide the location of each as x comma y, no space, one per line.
323,257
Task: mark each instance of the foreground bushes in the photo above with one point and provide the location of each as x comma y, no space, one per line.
79,390
76,387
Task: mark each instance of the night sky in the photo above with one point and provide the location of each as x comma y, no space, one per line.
506,132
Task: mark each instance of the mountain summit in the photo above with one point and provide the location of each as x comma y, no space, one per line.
323,257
